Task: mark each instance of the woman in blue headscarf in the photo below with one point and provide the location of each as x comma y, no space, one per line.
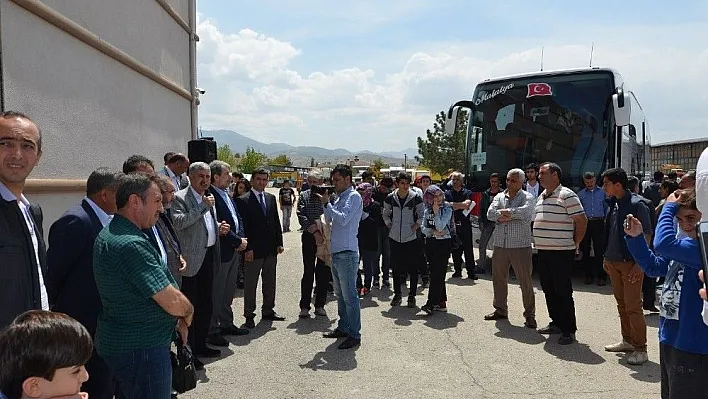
438,244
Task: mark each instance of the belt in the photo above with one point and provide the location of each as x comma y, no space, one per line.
597,218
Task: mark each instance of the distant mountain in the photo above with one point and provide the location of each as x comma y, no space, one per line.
301,155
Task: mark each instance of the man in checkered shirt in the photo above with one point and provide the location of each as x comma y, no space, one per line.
512,210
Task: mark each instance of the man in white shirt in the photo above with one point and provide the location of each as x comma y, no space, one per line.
175,168
20,221
196,226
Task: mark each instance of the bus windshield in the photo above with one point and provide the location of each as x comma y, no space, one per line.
551,118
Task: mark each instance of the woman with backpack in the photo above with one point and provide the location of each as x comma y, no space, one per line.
438,229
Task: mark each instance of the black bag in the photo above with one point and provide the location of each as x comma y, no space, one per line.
184,375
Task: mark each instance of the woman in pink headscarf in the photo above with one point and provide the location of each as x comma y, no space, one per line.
368,238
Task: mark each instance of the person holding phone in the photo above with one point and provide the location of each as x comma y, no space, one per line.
682,332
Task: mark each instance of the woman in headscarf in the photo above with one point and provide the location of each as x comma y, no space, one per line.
438,244
368,239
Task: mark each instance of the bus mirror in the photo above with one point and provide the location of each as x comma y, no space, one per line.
622,106
451,120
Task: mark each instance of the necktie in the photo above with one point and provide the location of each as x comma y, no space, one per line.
263,205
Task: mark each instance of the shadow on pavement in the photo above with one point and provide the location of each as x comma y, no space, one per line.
262,327
402,315
518,333
576,352
306,326
442,320
460,281
647,372
333,359
225,352
368,302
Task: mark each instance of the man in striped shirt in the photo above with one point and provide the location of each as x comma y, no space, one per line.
559,227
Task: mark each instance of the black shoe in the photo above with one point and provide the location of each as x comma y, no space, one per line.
549,329
233,330
273,316
396,301
411,301
566,339
350,343
216,340
495,316
250,323
335,334
457,274
207,352
198,365
427,309
530,323
472,276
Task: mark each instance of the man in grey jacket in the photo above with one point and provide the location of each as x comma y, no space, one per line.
198,231
403,215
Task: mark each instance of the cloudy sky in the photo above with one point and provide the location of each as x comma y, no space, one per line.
368,74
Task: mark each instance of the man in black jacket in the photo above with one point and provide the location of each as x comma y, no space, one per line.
22,249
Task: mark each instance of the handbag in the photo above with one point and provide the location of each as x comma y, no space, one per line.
184,375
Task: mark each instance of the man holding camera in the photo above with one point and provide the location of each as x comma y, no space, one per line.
309,210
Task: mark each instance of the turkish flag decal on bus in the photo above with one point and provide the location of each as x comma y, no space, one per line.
539,89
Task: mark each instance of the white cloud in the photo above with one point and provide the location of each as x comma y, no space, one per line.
254,89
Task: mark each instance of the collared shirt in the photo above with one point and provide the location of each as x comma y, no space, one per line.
309,209
128,272
102,216
515,233
345,215
230,204
593,202
208,219
24,205
533,190
176,180
553,225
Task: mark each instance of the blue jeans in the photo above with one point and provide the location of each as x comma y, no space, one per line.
345,266
145,373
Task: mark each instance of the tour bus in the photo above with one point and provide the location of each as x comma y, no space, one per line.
582,119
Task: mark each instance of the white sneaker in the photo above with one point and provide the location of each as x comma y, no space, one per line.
637,357
320,312
623,346
304,313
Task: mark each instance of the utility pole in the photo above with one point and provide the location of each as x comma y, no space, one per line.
405,162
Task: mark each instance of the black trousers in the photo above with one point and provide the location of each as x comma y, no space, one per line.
648,291
314,270
683,374
464,232
424,271
198,289
595,233
437,252
554,268
406,258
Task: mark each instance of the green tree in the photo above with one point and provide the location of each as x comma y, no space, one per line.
378,164
224,153
312,162
440,151
252,160
281,160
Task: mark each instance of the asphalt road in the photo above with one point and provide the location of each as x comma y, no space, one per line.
406,354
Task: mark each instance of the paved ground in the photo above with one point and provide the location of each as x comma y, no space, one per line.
405,354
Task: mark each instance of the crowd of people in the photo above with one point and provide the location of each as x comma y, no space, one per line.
155,255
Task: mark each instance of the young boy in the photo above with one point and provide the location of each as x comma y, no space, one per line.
42,356
682,333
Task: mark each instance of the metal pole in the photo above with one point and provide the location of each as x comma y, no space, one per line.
193,67
405,162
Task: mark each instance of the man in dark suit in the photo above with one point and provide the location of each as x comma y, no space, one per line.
175,168
198,231
265,242
22,250
222,319
70,282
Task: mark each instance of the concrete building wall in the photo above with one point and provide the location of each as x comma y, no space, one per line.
93,110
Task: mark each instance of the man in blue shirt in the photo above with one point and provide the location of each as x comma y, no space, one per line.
345,214
593,199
